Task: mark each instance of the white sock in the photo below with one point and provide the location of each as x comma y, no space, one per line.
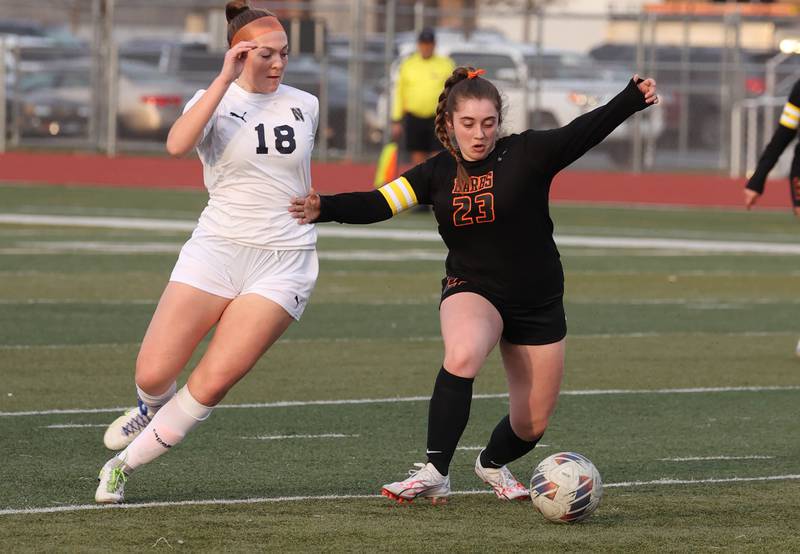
155,402
167,428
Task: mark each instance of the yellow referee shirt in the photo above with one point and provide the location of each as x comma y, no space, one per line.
419,84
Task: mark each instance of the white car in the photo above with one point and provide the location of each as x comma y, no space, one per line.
571,84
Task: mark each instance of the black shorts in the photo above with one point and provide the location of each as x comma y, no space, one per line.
421,134
522,324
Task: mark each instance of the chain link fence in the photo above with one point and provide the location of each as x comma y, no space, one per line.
112,76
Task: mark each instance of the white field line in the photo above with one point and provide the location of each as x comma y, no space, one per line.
482,447
711,458
280,499
356,401
283,437
73,426
412,235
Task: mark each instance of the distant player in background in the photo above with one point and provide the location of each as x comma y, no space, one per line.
416,94
784,134
504,283
248,269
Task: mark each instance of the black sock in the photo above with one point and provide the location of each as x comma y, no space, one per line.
447,417
505,446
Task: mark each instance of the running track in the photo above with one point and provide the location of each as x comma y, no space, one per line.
678,189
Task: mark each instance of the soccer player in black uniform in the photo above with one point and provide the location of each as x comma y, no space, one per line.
784,134
504,281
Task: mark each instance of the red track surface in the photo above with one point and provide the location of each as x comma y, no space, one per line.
570,186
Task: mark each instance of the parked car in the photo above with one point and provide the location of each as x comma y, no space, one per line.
195,64
191,62
711,87
57,99
568,86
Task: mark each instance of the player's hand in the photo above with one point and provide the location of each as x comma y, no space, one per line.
648,88
750,198
397,130
305,209
233,64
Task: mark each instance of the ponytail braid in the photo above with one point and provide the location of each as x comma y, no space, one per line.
440,124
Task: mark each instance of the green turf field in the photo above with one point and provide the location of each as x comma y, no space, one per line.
681,385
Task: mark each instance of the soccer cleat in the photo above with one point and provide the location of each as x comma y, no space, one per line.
111,489
797,349
126,427
503,483
423,482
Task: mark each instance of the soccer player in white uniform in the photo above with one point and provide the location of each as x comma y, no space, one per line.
248,268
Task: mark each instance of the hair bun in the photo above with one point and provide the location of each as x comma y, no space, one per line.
234,8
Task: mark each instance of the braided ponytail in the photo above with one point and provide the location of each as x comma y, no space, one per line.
440,123
459,85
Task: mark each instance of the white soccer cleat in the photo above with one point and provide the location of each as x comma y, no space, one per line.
423,482
111,489
126,427
503,483
797,349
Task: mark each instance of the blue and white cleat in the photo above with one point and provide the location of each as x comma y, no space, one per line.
127,427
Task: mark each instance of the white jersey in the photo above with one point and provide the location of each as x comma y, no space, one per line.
256,154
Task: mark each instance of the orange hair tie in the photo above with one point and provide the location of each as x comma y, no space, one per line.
476,73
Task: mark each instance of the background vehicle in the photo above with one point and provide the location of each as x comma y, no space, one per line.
197,65
56,99
696,81
570,85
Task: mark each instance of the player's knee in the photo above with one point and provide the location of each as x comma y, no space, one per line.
151,378
530,428
148,378
463,361
210,390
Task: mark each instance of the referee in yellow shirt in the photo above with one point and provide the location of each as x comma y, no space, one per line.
420,81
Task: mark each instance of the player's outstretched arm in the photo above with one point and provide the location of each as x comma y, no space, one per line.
188,129
562,146
355,207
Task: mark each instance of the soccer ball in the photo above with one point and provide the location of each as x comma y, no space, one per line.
566,487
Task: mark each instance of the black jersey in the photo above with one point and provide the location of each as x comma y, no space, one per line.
786,131
498,229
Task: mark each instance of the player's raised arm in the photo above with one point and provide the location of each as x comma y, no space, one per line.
188,129
565,145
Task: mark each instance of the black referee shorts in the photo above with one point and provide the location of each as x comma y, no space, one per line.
522,324
421,134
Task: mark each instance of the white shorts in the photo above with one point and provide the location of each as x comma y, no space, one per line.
219,266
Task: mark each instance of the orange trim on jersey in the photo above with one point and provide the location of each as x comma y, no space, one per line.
257,27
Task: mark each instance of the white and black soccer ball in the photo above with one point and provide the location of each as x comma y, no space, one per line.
566,487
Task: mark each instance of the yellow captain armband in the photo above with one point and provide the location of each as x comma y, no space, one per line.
791,116
399,194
